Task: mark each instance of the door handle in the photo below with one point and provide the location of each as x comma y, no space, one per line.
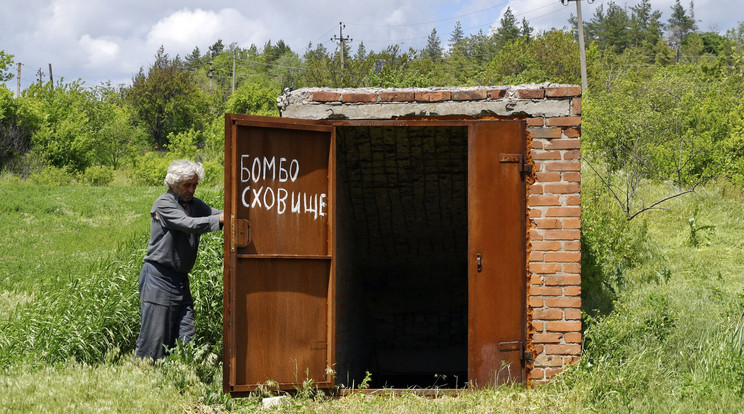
478,262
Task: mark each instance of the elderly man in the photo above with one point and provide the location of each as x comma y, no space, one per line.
178,220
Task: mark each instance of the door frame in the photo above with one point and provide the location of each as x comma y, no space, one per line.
231,232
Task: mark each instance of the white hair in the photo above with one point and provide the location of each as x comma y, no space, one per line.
182,170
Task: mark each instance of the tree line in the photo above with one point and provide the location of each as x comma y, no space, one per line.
175,106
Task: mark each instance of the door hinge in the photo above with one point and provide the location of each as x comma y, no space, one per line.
514,346
524,167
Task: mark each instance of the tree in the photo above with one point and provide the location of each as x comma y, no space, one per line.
166,99
6,61
610,30
457,36
646,27
433,49
526,30
680,24
508,29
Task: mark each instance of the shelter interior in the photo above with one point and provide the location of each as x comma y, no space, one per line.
401,251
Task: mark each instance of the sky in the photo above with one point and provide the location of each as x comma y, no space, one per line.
99,41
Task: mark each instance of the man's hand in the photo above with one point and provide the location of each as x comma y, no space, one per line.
222,218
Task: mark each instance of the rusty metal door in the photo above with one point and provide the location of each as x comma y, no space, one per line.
496,252
279,244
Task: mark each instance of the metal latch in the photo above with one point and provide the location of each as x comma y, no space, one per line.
524,167
524,355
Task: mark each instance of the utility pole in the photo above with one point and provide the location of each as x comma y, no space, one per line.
582,54
18,84
235,55
210,74
40,76
51,78
342,40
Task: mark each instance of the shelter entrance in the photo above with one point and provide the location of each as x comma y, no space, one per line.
402,240
390,247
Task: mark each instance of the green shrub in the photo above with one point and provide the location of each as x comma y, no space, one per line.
214,174
51,175
98,175
149,169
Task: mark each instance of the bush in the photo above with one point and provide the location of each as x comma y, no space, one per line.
149,169
214,173
98,175
51,175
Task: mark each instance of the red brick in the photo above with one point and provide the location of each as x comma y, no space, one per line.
530,93
563,91
546,291
548,176
571,337
539,349
561,302
571,132
572,314
561,188
469,95
537,374
537,257
536,235
561,235
397,96
550,373
359,98
543,132
545,155
535,213
573,201
562,144
570,360
572,268
546,245
572,155
535,189
569,349
496,93
548,223
562,165
547,314
537,280
539,121
563,257
571,245
573,177
562,280
432,96
537,144
576,106
544,268
553,338
563,121
572,223
550,361
536,303
563,212
563,326
543,200
538,326
322,96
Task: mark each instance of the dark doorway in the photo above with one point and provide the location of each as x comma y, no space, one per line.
402,256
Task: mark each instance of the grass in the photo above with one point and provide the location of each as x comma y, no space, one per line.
68,306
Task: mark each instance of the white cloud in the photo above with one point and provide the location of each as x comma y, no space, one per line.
184,29
99,52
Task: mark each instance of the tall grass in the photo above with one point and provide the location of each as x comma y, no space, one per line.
668,340
94,307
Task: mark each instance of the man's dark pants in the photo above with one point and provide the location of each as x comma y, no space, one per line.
167,311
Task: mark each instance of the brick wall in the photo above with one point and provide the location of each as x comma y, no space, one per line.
553,115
